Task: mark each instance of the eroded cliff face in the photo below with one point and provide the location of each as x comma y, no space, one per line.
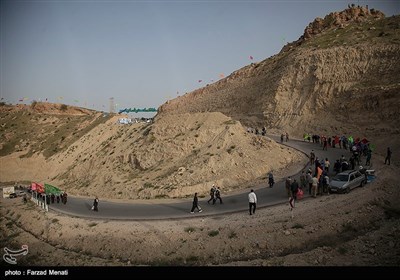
343,80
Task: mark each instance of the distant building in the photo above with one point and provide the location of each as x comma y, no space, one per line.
124,121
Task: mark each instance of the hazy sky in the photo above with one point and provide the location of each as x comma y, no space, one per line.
142,52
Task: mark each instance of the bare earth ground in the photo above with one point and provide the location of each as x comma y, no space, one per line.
361,228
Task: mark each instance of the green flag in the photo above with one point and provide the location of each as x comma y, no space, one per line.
49,189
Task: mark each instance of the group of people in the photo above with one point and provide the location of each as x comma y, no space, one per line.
52,198
317,183
215,194
283,136
263,131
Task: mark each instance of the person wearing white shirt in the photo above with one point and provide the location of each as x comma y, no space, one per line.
252,202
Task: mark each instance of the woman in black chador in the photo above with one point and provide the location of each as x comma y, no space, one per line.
95,204
271,181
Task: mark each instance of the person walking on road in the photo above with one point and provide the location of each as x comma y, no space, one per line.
212,194
252,202
271,180
95,204
218,195
288,183
294,187
196,204
64,198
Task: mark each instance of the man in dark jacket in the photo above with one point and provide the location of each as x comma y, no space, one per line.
196,204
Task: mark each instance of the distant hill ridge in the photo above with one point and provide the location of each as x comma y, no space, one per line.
47,108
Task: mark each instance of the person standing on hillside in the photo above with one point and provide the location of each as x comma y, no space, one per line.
369,154
388,155
327,164
252,202
292,202
196,204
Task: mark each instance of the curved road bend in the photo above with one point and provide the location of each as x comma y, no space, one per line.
80,207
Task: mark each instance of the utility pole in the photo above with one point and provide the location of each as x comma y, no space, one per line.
112,107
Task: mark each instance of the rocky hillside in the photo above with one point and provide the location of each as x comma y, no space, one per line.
340,77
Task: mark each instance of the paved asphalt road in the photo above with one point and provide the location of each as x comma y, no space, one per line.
177,209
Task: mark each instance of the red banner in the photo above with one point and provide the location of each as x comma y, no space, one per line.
37,187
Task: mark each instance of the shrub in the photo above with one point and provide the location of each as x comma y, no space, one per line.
63,107
33,104
297,226
190,229
213,233
232,234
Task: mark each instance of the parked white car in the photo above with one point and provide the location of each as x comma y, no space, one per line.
346,181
